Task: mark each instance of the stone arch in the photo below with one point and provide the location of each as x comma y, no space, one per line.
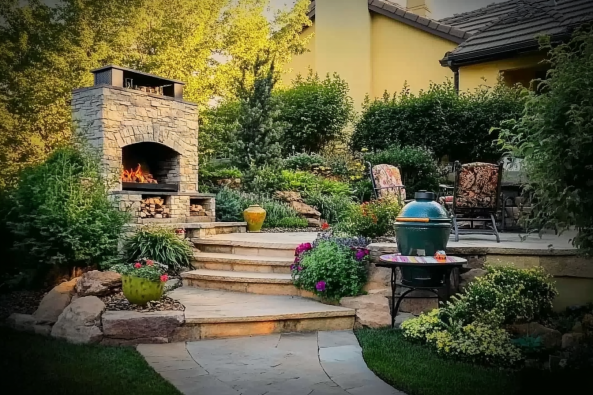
130,135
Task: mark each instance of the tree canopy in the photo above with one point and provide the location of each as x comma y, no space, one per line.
47,51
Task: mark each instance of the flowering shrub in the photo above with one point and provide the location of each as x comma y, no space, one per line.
371,219
470,325
143,268
330,267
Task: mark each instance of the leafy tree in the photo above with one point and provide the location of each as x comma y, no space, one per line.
217,130
258,134
317,111
555,138
447,123
47,51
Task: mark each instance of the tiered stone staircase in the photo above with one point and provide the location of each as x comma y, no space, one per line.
242,286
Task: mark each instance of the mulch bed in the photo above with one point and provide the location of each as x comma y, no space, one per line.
22,302
118,302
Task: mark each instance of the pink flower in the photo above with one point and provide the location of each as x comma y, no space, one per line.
303,248
149,262
164,278
137,265
320,286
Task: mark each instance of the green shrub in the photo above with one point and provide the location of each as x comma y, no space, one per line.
306,183
507,294
447,123
61,214
218,126
213,176
371,219
330,270
317,112
362,189
303,161
230,205
555,138
160,244
470,325
332,207
418,168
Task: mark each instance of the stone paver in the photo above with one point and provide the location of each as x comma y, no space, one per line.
214,306
313,363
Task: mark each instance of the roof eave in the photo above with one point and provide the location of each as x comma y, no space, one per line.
499,53
409,22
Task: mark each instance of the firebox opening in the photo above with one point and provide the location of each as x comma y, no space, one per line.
150,166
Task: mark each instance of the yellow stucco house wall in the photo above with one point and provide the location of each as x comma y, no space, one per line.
379,46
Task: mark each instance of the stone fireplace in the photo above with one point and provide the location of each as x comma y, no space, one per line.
147,137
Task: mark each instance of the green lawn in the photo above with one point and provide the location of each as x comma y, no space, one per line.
33,364
416,370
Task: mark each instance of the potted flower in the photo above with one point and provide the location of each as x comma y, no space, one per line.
142,281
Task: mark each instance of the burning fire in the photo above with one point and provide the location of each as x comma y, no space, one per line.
137,176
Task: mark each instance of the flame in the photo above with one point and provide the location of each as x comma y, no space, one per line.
136,175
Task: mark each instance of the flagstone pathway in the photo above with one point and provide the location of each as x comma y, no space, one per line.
313,363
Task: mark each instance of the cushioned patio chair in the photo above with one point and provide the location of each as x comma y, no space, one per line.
387,180
476,197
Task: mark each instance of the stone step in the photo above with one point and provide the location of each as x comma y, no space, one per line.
242,263
249,282
209,245
217,314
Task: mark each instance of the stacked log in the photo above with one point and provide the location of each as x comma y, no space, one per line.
196,210
154,207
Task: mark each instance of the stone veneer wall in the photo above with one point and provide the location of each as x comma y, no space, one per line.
112,118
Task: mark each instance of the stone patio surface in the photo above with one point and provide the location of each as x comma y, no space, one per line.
507,240
314,363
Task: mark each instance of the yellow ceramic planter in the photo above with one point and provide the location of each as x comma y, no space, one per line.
140,290
255,217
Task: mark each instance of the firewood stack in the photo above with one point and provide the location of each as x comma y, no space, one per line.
195,210
154,208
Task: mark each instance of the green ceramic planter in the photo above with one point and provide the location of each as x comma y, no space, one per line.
140,290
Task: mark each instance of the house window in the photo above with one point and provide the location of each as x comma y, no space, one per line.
524,76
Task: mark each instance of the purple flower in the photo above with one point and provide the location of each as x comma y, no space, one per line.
297,259
360,255
320,286
302,248
292,267
299,268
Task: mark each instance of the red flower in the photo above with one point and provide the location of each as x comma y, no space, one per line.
164,278
137,265
324,226
149,262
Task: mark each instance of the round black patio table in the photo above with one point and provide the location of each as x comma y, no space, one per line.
393,261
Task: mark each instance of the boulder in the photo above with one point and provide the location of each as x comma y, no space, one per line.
80,322
96,283
372,311
313,222
305,210
133,342
134,325
470,276
577,328
21,322
172,284
54,302
288,196
26,323
551,338
588,321
378,277
570,340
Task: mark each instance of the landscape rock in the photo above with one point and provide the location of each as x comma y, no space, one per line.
372,311
54,302
80,322
134,325
21,322
313,222
577,328
172,284
551,338
288,196
571,339
26,323
96,283
588,321
133,342
422,301
470,276
305,210
378,277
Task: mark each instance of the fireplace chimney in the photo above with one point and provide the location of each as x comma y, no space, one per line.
132,79
419,7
